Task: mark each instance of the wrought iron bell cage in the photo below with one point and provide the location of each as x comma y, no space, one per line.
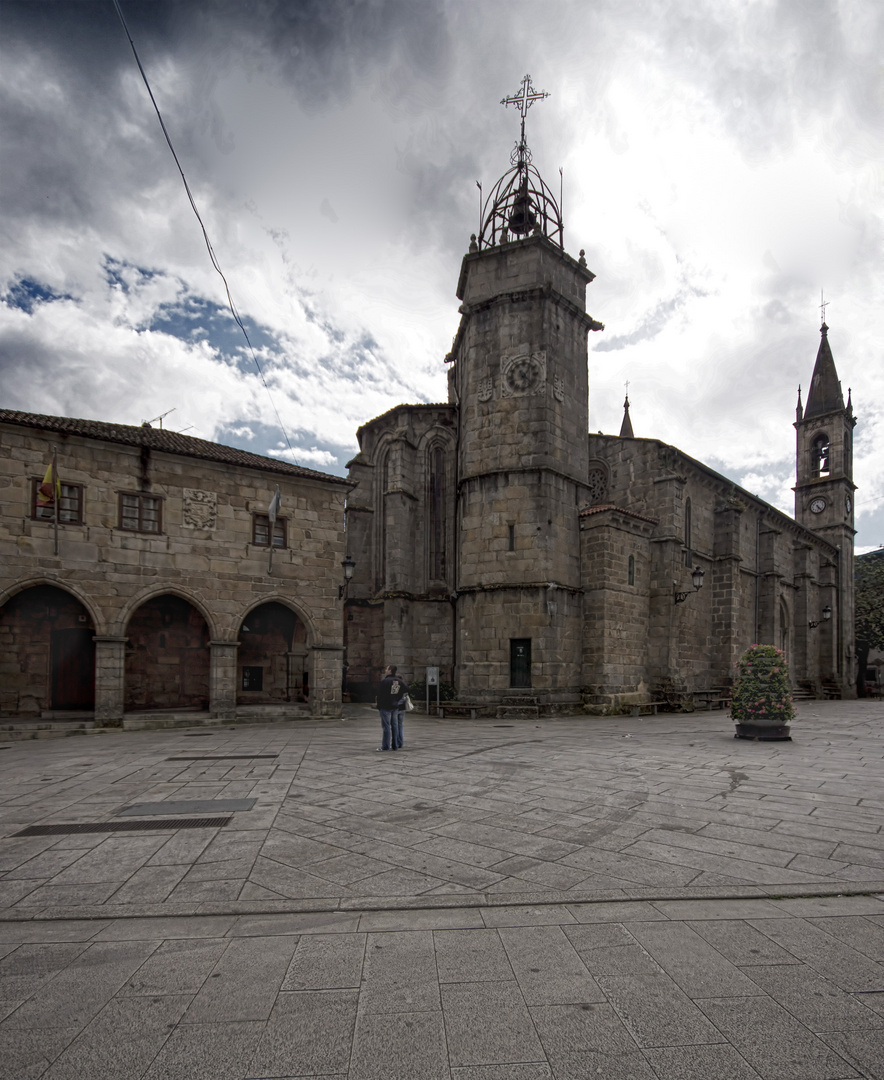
520,204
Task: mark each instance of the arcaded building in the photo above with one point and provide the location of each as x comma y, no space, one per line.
157,580
496,539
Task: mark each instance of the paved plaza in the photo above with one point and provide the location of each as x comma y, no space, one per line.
627,899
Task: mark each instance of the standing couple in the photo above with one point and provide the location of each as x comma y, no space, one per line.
391,705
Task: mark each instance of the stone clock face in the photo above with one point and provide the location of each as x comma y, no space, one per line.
848,505
524,374
817,505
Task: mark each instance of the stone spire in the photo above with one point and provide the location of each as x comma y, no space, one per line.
825,394
626,431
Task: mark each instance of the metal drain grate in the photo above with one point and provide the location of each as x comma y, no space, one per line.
225,757
124,826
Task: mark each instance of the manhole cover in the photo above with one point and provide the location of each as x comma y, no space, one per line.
66,829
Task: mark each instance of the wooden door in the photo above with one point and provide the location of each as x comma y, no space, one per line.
520,662
73,668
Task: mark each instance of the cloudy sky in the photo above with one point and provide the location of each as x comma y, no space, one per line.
722,163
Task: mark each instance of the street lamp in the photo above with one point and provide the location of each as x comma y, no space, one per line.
697,576
348,566
826,613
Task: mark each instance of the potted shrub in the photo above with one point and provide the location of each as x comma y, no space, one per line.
761,703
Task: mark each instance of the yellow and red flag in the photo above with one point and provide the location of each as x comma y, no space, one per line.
45,494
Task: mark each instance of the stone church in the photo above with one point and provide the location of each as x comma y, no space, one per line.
496,539
144,572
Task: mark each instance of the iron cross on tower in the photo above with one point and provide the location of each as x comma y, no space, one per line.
524,100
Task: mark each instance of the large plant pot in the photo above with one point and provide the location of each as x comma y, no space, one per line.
761,705
761,728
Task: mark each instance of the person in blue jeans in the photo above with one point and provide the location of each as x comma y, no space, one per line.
391,706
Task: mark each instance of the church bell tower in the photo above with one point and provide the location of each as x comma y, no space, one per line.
824,491
519,378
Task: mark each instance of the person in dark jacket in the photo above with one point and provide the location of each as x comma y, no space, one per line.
391,706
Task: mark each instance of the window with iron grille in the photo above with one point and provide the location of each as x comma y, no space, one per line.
141,513
261,531
70,505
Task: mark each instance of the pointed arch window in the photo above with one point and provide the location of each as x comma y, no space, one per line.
688,538
384,476
819,455
436,515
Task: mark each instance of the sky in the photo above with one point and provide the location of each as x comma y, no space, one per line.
722,162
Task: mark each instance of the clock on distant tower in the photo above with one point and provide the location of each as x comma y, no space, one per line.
817,505
848,505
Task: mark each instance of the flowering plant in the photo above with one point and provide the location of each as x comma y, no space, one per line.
762,691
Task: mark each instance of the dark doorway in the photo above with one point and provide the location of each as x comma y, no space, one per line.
167,656
73,668
520,662
48,653
272,656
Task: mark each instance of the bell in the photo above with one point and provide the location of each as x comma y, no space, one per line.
522,220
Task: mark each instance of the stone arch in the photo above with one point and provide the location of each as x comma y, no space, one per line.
97,617
167,655
47,635
275,653
151,592
820,455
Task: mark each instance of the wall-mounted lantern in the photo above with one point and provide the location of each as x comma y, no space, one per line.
697,576
826,615
348,566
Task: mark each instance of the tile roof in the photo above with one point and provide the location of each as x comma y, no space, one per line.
170,442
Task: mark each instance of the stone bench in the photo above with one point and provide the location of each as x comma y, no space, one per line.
461,708
645,708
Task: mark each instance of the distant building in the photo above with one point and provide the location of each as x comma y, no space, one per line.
495,538
163,585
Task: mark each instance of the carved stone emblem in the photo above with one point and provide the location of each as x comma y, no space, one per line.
559,387
486,388
523,373
200,509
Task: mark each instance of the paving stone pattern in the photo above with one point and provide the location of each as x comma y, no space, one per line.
560,899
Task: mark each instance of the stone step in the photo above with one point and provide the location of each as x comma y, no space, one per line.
160,720
14,730
505,712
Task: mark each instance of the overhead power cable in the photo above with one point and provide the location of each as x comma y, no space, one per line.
209,247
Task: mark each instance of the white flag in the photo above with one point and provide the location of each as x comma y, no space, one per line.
273,508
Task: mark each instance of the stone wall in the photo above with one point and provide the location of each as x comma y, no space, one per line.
204,555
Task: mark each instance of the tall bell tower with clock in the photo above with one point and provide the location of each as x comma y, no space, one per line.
824,486
519,380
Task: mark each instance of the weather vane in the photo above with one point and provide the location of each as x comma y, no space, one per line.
524,99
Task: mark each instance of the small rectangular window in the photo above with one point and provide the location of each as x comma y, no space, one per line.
70,504
141,513
253,678
511,538
261,531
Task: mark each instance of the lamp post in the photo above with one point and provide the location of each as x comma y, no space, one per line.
348,566
826,615
697,576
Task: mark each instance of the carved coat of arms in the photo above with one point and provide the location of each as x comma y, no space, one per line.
200,509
